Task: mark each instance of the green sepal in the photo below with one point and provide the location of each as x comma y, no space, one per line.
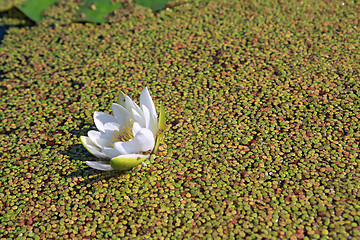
161,127
123,163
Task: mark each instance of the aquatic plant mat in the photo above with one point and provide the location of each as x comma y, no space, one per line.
262,104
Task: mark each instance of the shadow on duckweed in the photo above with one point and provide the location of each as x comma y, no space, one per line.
88,174
15,14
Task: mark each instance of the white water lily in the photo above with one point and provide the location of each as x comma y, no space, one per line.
127,137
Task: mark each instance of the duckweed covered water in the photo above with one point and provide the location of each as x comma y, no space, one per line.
262,104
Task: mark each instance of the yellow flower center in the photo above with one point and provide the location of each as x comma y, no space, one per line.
123,135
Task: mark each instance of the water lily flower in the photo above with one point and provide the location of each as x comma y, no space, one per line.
127,137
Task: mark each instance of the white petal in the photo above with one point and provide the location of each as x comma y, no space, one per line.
131,105
147,115
101,119
136,127
121,114
139,118
143,141
94,137
122,99
92,148
101,139
100,165
145,99
123,147
153,126
151,121
109,130
111,152
111,126
108,133
104,140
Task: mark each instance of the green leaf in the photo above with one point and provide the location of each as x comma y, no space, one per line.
124,163
161,126
96,10
33,9
153,4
